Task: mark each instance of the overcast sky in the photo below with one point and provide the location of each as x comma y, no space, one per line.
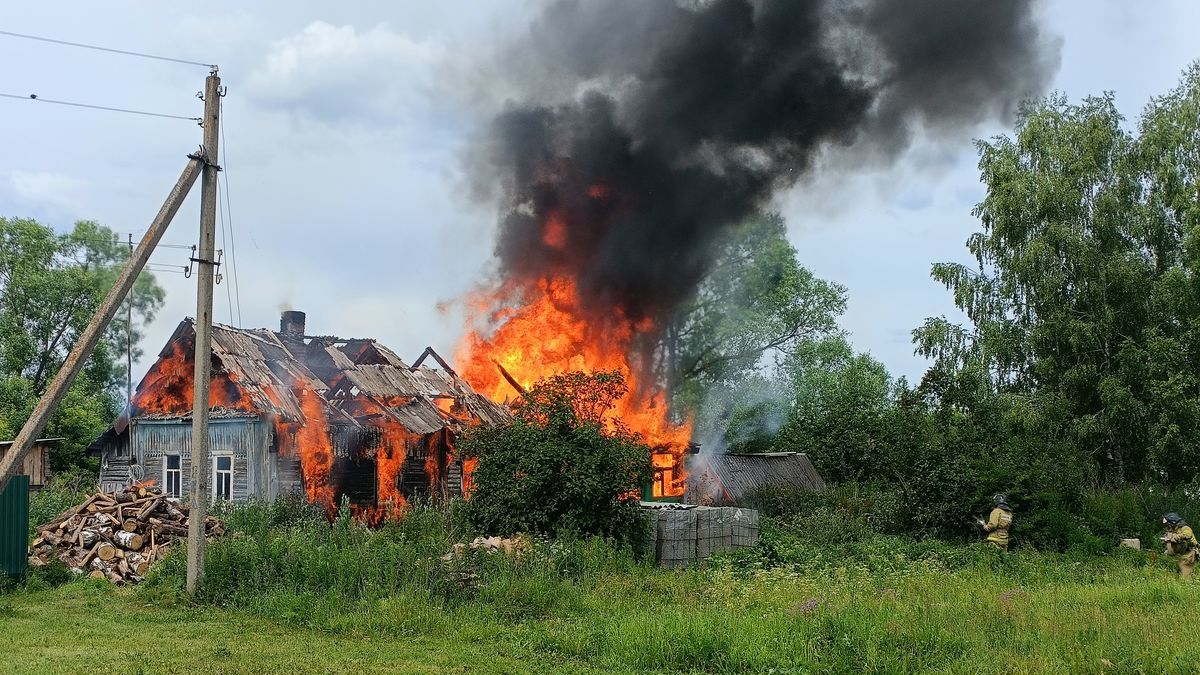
345,130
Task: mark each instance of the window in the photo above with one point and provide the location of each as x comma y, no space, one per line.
223,477
172,476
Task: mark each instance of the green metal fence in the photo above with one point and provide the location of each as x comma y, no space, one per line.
14,527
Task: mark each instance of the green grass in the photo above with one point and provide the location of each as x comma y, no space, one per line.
977,620
91,627
288,593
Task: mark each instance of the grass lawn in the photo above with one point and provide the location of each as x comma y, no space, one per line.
86,627
1035,616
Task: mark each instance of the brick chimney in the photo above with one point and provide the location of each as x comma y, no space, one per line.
291,324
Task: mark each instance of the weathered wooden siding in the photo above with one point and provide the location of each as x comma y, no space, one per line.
261,471
36,464
247,440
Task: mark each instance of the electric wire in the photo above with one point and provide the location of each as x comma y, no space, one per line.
126,52
222,206
35,97
100,240
224,175
225,245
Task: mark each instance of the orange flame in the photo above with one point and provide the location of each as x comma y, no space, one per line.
390,455
549,332
389,465
468,479
168,388
315,450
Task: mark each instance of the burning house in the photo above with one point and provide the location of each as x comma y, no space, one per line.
328,416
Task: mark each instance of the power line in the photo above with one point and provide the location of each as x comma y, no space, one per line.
221,206
237,291
35,97
211,66
101,240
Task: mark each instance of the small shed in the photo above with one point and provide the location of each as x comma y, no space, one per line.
726,479
37,461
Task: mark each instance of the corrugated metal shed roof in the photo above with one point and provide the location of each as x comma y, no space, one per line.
739,474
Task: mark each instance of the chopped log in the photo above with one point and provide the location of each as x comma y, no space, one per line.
87,557
149,508
97,574
75,510
115,537
171,529
106,551
130,540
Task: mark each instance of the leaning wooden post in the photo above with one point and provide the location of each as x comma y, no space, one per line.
95,329
205,264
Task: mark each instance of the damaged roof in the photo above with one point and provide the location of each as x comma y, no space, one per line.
269,368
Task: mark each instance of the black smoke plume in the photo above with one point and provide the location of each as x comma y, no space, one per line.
641,128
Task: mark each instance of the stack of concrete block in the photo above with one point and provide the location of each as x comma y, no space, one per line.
714,531
743,527
674,537
681,535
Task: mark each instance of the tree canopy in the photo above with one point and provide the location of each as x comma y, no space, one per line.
50,286
1082,302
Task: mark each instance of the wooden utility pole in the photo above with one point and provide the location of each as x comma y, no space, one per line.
129,339
205,264
99,323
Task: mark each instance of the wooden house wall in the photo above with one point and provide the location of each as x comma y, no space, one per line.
261,471
36,465
247,440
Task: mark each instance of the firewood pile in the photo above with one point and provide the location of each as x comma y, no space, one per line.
116,536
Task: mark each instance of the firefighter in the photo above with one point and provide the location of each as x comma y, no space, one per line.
1181,541
999,522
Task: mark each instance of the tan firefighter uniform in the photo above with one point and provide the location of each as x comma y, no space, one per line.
1181,541
997,527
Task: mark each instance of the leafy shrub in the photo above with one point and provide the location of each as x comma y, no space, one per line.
849,507
562,465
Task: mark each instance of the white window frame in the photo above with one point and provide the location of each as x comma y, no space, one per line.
167,475
217,473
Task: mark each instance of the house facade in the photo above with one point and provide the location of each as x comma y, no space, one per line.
330,417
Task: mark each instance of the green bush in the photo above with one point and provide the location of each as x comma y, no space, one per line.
851,507
561,465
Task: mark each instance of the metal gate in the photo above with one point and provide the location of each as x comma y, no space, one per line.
14,527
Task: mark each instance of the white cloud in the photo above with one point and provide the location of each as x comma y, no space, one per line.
47,192
337,73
